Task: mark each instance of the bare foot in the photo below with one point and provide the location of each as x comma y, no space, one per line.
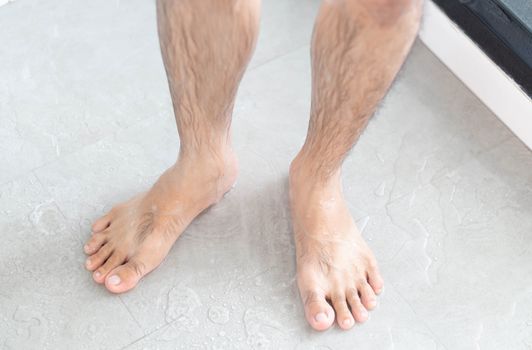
334,264
135,236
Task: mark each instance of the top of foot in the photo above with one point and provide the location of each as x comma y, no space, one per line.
337,273
134,237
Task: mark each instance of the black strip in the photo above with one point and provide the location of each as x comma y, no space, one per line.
498,33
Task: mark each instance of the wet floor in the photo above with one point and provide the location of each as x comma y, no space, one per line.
440,188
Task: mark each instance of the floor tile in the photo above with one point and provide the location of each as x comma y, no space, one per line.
47,300
440,189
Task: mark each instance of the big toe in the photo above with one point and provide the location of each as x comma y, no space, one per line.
125,277
320,315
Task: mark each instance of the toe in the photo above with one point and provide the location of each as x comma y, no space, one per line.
357,309
94,243
125,277
344,318
101,224
367,295
116,259
319,314
96,260
375,279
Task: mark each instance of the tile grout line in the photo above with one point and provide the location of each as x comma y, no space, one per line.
275,58
145,335
130,313
81,241
113,134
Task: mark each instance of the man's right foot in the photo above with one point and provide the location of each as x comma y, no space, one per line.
135,236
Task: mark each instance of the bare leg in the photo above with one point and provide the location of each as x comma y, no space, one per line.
206,46
358,47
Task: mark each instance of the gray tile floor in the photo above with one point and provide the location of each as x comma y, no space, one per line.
441,189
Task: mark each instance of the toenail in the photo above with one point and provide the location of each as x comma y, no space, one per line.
88,262
321,317
86,247
114,280
363,313
97,274
346,322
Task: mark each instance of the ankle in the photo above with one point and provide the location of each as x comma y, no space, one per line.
210,160
205,144
215,168
217,149
308,174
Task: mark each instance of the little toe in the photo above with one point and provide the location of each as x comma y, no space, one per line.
116,259
94,243
319,314
101,224
125,277
96,260
357,309
344,318
367,295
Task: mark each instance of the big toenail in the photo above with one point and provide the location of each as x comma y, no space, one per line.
321,317
114,280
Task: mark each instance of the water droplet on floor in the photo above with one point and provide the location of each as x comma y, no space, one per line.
182,303
381,189
362,223
218,314
258,341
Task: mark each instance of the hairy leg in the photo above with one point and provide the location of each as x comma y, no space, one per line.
206,46
358,47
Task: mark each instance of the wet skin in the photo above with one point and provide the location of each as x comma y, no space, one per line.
358,47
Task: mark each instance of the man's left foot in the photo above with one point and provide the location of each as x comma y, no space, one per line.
334,263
